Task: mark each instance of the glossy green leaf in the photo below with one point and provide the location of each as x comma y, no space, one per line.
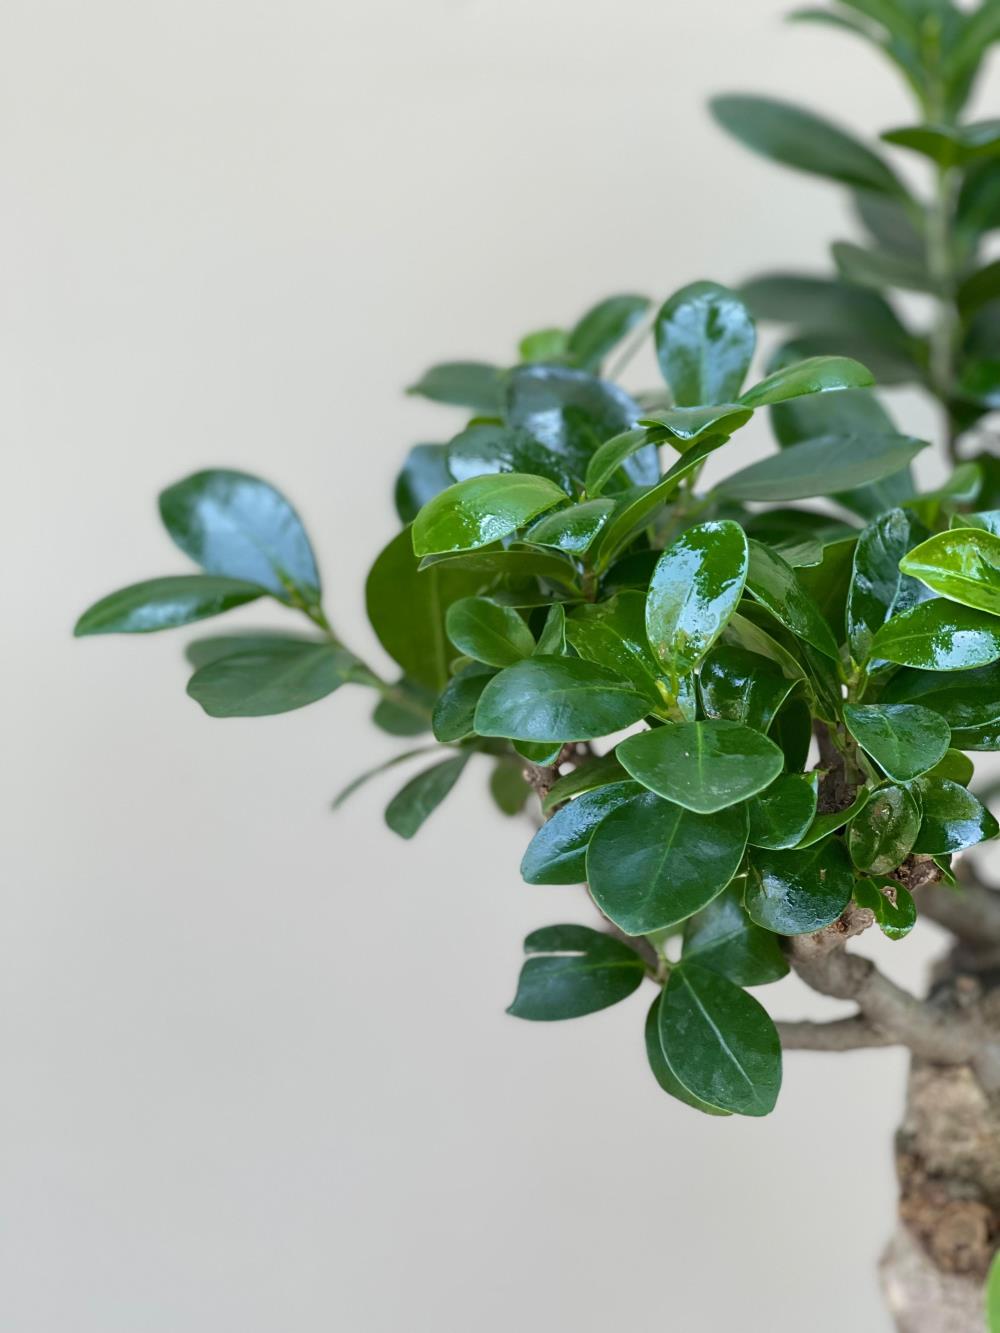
719,1041
273,677
414,803
572,529
878,590
772,582
953,818
702,766
949,145
406,607
609,457
940,636
741,686
724,939
557,854
612,634
962,564
705,340
472,384
165,603
454,716
481,510
781,816
662,1072
486,632
797,892
823,466
818,374
603,327
882,836
651,864
695,588
905,740
801,140
423,475
485,448
507,569
744,632
896,915
830,821
682,426
956,767
557,699
590,775
552,635
989,521
233,524
573,970
792,730
966,699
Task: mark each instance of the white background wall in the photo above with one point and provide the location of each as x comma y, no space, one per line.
256,1072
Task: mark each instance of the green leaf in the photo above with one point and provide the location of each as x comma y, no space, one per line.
772,582
481,510
454,716
557,854
543,345
801,140
724,939
825,824
939,636
356,783
905,740
705,340
486,632
407,712
962,564
572,529
743,632
720,1042
878,590
662,1072
882,836
165,603
507,570
406,607
825,305
953,818
989,521
818,374
702,766
508,788
797,892
423,475
610,456
782,816
695,588
486,448
612,634
651,864
557,699
421,796
471,384
956,767
682,426
883,268
969,699
823,466
741,686
949,145
895,918
572,971
993,1294
603,327
233,524
276,677
590,775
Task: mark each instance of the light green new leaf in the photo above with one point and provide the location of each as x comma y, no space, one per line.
719,1041
962,564
573,970
702,766
651,864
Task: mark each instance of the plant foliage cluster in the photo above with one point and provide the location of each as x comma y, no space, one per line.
655,656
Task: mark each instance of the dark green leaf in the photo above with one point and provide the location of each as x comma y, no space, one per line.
594,773
720,1042
705,341
612,634
962,564
423,475
651,864
797,892
610,456
882,836
234,524
407,711
883,268
421,796
702,766
939,636
969,699
895,918
481,510
572,529
557,699
695,588
508,788
356,783
662,1072
824,304
905,740
740,686
552,636
485,448
682,426
723,938
953,818
949,145
821,466
486,632
273,678
165,603
878,591
603,327
557,854
572,971
455,711
772,582
463,384
782,816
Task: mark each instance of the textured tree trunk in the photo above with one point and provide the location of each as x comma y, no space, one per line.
948,1164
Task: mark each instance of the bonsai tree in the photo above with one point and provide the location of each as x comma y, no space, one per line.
744,712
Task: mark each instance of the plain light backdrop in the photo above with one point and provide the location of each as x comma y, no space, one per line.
255,1065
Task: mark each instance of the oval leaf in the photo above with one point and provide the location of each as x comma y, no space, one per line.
797,892
557,699
487,632
962,564
905,740
702,766
481,510
572,971
695,588
705,340
940,636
